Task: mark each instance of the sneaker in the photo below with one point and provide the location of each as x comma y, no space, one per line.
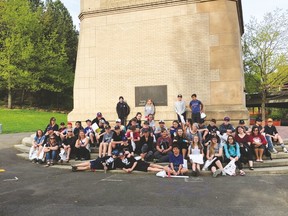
285,150
74,168
274,151
223,173
216,173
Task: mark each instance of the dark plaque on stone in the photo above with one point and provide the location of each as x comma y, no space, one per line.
158,94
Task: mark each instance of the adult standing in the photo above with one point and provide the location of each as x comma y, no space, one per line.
123,110
180,108
149,108
196,107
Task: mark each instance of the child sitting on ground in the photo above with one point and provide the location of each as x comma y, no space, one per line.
176,162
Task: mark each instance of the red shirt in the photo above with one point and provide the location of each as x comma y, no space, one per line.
258,138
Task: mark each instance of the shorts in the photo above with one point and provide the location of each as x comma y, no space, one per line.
96,164
142,166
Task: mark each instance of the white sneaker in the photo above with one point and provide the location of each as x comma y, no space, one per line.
275,151
285,150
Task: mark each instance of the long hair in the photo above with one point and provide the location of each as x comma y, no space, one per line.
79,137
230,136
198,144
212,145
37,133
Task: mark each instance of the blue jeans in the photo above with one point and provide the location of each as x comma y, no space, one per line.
51,155
270,143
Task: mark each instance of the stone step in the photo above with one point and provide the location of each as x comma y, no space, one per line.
279,148
257,171
27,141
280,155
22,148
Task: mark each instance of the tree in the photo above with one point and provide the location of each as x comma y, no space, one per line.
266,54
16,46
38,48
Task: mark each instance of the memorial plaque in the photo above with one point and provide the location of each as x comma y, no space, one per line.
158,94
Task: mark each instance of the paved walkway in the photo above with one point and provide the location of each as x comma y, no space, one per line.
9,140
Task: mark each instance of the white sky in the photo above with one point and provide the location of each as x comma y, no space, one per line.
256,8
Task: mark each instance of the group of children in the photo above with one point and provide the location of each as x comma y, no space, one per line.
135,146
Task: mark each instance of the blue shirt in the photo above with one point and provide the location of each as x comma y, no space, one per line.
176,161
195,106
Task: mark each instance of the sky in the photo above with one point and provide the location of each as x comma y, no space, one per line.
251,8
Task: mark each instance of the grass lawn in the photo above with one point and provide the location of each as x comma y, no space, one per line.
21,120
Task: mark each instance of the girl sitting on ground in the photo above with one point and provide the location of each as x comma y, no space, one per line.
215,153
82,147
37,145
259,142
232,152
51,150
195,151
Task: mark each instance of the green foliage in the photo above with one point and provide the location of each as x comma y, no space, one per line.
20,120
266,54
38,48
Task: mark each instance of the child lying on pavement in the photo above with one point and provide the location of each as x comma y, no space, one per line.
128,163
106,163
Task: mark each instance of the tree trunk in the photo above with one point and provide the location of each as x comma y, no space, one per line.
9,105
22,97
263,105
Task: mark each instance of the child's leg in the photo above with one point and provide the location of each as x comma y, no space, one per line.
68,153
105,146
219,164
183,171
84,164
157,166
100,149
193,167
81,168
154,169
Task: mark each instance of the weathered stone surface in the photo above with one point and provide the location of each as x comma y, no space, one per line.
190,46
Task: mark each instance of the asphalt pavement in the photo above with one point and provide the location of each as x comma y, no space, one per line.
29,189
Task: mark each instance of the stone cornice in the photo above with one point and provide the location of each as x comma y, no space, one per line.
107,7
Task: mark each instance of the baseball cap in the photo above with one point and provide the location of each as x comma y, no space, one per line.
115,152
102,121
226,118
259,119
99,114
241,121
107,127
161,122
146,123
62,123
118,120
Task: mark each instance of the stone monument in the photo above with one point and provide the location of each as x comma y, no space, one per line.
158,49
